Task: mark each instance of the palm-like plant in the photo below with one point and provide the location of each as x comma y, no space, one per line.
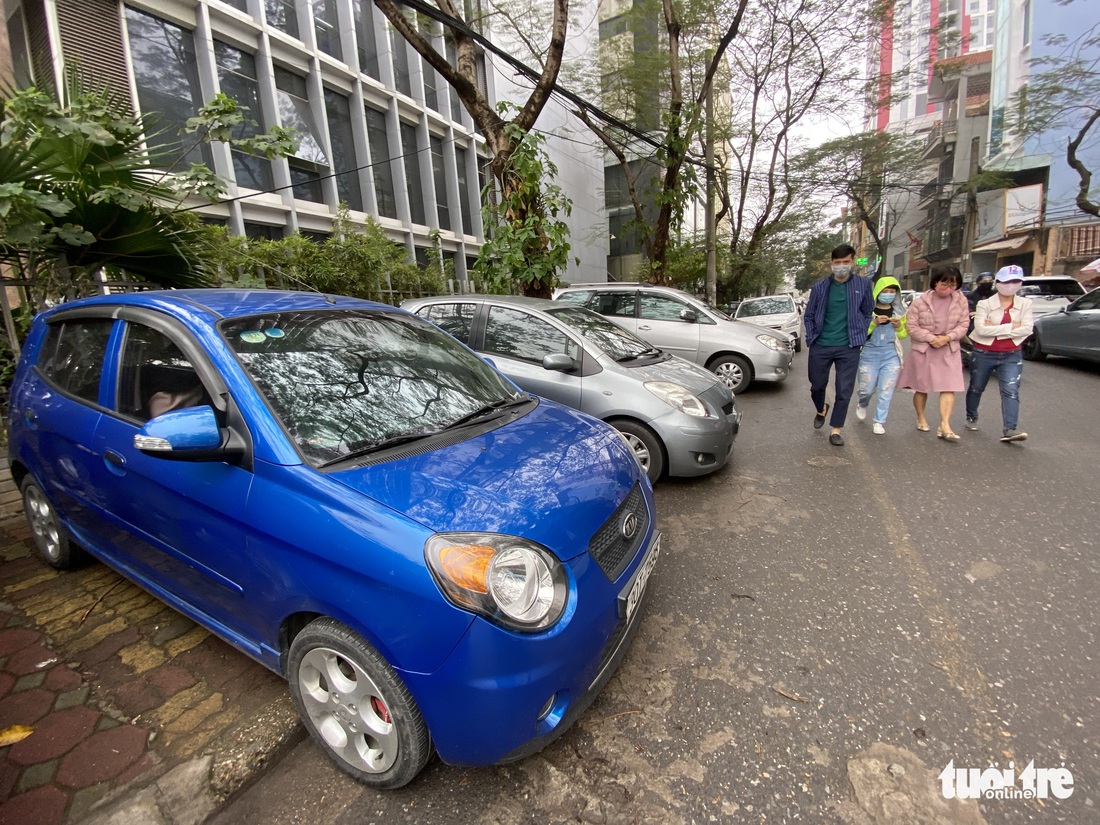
80,194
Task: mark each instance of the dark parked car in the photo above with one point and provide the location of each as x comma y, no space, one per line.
1073,331
433,558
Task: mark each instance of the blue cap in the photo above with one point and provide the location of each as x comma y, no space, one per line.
1010,273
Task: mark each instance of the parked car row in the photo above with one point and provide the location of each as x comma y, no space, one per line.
738,353
677,417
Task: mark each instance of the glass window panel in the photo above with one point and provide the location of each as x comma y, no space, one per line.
660,308
306,183
343,382
615,304
367,39
239,5
20,56
401,77
163,57
381,171
295,113
462,156
326,25
344,162
282,15
412,173
237,78
439,175
456,102
155,376
516,334
72,355
455,319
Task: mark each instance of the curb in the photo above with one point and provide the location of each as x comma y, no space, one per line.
192,792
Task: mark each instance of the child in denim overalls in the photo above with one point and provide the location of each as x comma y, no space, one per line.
880,361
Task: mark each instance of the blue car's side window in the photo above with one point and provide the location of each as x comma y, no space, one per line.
72,355
155,376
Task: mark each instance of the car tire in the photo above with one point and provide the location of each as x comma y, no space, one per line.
645,445
50,536
1033,350
356,706
798,345
733,371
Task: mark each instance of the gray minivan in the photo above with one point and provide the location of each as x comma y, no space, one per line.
677,417
737,352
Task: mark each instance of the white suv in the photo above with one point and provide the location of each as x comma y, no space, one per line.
1050,293
738,353
775,312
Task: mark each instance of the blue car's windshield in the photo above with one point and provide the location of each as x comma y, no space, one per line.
342,381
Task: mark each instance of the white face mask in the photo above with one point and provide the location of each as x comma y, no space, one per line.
1009,287
841,272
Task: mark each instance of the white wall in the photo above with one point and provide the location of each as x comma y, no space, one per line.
572,148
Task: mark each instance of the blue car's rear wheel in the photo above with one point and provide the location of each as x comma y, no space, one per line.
50,536
356,706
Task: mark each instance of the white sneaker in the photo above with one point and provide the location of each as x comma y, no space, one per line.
878,429
861,412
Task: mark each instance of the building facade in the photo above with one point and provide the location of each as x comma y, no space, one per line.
378,129
1035,221
919,95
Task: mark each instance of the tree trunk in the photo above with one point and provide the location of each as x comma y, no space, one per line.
463,79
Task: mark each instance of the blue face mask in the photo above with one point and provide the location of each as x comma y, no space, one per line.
886,297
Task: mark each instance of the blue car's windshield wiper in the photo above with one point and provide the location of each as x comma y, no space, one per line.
361,449
488,409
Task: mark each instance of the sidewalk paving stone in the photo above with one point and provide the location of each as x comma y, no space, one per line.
134,710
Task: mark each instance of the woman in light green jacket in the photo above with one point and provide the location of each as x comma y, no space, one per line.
880,360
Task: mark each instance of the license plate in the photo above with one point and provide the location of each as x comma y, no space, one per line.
637,588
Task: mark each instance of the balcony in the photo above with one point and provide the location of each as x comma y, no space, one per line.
932,193
941,139
944,239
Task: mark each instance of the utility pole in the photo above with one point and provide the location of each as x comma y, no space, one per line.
711,240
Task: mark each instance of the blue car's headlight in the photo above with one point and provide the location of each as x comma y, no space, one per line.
509,580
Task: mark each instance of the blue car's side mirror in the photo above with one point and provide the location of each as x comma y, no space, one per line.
189,434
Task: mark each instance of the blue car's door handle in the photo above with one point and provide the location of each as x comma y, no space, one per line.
31,417
114,460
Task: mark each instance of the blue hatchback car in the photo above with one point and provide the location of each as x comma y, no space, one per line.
434,559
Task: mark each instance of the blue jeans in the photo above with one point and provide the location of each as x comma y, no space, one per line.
844,360
1008,366
879,368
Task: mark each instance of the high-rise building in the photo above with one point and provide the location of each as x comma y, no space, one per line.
933,63
1035,222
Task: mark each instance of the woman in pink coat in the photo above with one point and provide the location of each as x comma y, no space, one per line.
937,320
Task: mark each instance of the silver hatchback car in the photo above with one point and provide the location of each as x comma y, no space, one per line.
738,353
676,416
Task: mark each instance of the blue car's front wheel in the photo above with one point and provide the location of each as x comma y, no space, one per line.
356,706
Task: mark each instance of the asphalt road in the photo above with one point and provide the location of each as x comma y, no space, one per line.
827,629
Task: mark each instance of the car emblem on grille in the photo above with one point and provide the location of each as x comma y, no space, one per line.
630,526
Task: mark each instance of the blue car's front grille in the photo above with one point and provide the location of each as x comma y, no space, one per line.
611,547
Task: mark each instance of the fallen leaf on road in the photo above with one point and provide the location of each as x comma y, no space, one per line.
16,733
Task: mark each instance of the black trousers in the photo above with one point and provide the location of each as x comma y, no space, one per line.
846,362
